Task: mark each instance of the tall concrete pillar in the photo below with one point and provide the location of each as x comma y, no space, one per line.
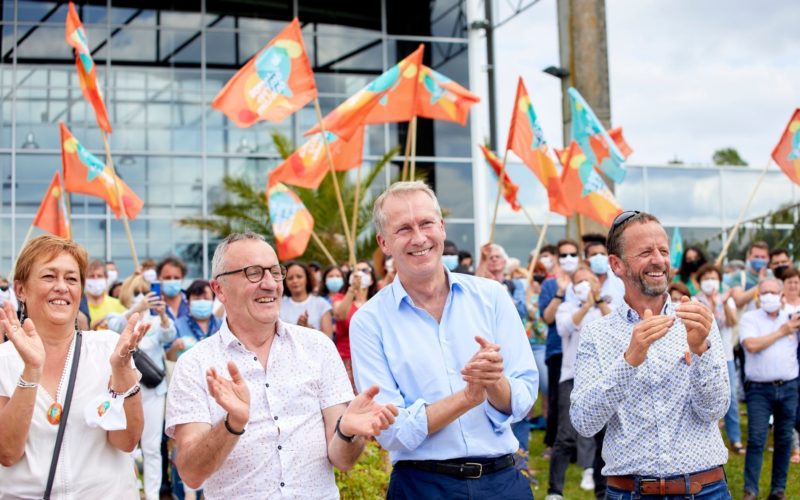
583,51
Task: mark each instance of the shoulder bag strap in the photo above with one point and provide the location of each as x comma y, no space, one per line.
64,414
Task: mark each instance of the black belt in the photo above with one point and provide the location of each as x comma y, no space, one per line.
465,468
773,383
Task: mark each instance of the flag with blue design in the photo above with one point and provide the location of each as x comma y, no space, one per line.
787,153
292,223
676,249
585,125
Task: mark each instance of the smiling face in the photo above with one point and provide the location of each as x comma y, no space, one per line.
644,265
52,291
248,305
296,281
413,235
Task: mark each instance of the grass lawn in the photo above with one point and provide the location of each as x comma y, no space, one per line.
734,470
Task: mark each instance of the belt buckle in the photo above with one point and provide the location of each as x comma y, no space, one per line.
643,481
480,470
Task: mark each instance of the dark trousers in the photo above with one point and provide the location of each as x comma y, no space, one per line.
764,400
553,374
567,441
407,483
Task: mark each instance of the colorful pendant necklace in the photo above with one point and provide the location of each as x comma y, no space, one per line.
55,409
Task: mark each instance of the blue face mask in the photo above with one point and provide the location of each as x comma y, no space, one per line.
450,261
200,309
757,264
599,264
334,284
171,288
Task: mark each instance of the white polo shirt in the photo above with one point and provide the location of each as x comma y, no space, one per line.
776,362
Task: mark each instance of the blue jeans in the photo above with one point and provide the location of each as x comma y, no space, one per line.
764,400
713,491
732,425
415,484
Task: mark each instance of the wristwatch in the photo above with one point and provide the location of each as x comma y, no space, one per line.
230,429
339,433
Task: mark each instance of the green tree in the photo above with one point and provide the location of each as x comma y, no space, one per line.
728,156
244,208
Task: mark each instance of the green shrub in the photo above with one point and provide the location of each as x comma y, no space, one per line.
369,477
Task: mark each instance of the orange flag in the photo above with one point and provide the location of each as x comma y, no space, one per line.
275,83
292,223
87,70
526,140
84,173
585,189
510,189
787,152
388,98
440,98
308,166
52,213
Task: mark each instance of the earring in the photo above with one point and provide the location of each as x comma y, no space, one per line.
22,313
76,324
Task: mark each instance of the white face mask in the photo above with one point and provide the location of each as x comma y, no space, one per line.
106,412
112,276
709,286
150,275
136,300
547,262
366,280
770,302
568,264
582,290
96,286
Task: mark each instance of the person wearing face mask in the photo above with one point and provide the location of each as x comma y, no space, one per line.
360,287
693,259
332,283
112,273
137,297
570,317
7,293
548,256
612,290
791,305
724,309
450,257
744,287
769,337
553,294
171,272
779,262
492,265
101,305
199,324
148,270
299,305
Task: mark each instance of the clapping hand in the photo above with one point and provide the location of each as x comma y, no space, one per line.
365,417
302,320
24,336
232,395
697,318
128,342
485,368
645,333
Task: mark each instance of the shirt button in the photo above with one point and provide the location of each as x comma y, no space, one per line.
255,358
266,385
283,484
276,417
280,447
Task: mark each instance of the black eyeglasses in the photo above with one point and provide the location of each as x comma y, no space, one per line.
622,218
562,255
255,273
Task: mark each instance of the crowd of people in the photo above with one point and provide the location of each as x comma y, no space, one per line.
257,382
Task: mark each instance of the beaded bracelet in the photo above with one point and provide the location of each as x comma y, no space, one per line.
127,394
26,385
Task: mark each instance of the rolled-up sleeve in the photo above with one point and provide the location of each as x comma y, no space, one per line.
518,363
370,367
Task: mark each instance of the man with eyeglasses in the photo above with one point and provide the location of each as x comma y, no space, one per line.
654,373
275,427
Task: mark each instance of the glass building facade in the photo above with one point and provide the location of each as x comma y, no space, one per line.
160,64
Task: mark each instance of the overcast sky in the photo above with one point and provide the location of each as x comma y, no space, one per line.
686,77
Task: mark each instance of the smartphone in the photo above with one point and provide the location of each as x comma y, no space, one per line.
155,287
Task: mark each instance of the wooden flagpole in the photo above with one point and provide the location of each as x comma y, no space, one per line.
497,198
121,201
345,225
322,247
14,263
413,169
406,153
356,204
530,219
739,220
539,244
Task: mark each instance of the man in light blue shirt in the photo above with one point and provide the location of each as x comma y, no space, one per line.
448,350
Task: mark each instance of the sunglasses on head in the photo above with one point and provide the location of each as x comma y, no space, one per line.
622,218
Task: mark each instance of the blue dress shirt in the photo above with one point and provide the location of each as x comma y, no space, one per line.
416,362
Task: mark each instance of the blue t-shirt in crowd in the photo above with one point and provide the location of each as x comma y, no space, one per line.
553,343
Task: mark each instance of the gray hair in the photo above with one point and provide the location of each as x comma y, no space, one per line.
501,251
218,261
767,280
400,188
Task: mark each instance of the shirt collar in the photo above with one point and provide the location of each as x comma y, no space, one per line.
631,316
228,338
399,292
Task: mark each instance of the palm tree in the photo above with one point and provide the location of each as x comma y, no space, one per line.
245,209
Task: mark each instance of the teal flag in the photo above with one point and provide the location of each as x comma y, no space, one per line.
585,125
676,249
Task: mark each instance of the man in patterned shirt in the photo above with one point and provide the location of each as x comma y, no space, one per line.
276,427
659,381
